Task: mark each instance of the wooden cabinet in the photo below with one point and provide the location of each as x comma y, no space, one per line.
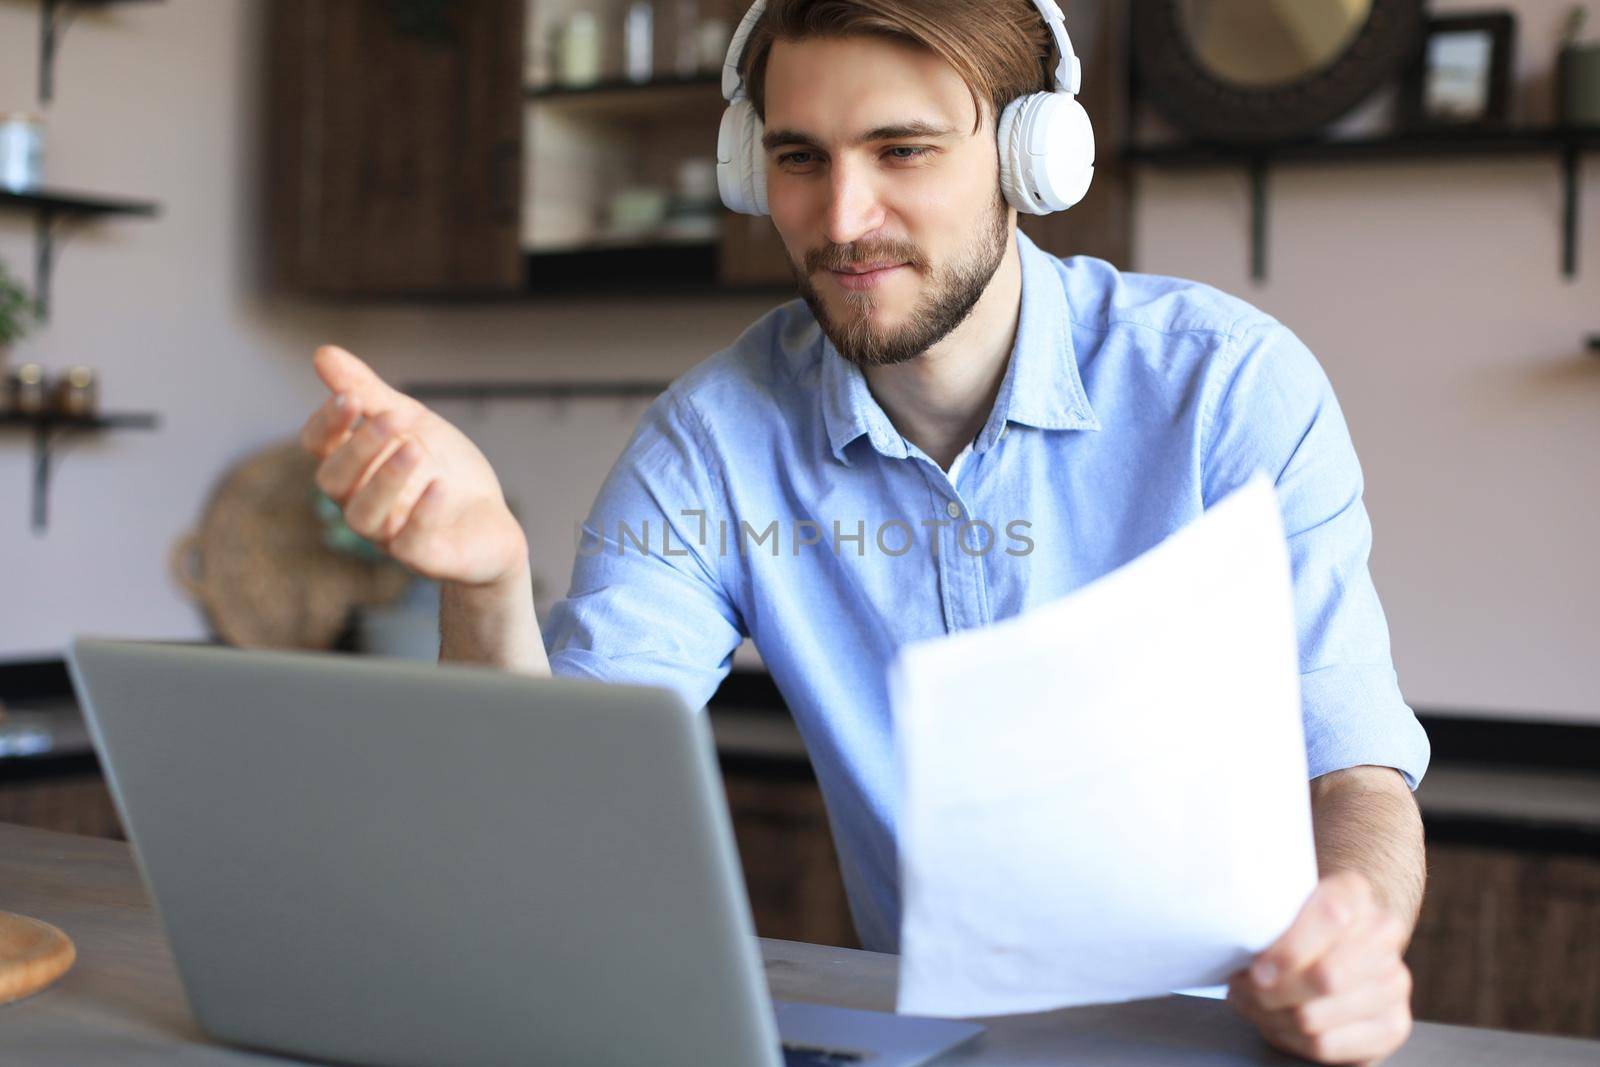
1509,939
406,157
790,870
75,801
395,145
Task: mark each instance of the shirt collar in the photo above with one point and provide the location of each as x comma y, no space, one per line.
1041,388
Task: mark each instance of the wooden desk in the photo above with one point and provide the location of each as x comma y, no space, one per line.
122,1002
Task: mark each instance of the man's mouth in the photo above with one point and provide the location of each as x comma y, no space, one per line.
868,268
865,277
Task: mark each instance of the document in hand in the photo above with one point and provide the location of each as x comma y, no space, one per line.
1105,798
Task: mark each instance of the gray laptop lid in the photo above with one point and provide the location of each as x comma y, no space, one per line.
504,818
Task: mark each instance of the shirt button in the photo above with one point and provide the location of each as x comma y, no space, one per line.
953,510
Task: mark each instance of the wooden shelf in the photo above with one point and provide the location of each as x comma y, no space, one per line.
1565,144
635,101
53,420
1428,144
45,426
625,88
666,268
514,390
48,206
63,202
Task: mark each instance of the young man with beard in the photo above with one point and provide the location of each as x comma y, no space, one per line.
951,427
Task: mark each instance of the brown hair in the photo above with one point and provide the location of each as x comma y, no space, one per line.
1001,48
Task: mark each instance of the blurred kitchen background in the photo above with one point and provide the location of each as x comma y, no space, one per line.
509,208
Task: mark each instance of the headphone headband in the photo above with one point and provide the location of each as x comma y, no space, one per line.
1068,74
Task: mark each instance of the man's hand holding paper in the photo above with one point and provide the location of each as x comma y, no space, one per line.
1106,797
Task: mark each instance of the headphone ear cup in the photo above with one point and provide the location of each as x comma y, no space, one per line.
1011,158
741,162
1050,141
755,162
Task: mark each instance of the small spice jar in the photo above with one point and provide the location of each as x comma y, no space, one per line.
25,389
21,151
76,393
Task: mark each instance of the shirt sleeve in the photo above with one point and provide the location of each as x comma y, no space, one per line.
646,605
1271,408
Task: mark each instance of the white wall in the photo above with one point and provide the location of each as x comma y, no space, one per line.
152,101
162,101
1431,293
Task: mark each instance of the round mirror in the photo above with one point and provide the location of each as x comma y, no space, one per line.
1264,43
1259,70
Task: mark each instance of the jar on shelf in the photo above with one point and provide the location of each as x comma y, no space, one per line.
25,389
638,41
577,50
21,151
76,393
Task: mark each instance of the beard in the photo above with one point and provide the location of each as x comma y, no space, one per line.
949,296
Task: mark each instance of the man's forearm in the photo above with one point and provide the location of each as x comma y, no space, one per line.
1366,820
493,625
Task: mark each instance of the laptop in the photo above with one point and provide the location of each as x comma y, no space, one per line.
400,863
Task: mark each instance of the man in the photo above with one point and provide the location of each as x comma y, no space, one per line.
827,485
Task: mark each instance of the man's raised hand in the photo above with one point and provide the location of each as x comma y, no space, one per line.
409,481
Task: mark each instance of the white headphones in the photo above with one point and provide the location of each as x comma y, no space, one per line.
1046,140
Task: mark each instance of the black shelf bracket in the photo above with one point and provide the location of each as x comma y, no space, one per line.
1260,178
44,261
1572,183
47,430
50,208
54,18
1566,145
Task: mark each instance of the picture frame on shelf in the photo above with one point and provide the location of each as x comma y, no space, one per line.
1461,75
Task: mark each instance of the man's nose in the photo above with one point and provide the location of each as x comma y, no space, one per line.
854,208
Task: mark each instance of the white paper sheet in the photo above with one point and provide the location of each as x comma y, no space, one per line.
1105,798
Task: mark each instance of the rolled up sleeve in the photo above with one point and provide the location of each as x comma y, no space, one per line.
1271,408
656,614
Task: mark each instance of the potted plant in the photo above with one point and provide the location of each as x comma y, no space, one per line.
16,312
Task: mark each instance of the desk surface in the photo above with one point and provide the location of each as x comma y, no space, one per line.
122,1001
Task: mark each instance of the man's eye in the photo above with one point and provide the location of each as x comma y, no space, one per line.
912,151
800,158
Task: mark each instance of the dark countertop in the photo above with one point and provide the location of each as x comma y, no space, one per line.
1507,783
122,1000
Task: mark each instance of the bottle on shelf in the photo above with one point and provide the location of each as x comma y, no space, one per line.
638,37
577,50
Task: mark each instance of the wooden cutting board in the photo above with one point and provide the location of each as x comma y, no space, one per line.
32,955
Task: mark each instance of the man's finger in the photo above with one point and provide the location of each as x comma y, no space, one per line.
1365,951
1332,909
423,536
342,372
1365,1042
344,472
329,426
381,507
1375,995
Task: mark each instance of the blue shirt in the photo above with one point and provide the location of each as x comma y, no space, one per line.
766,493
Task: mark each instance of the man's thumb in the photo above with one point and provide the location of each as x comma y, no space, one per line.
342,372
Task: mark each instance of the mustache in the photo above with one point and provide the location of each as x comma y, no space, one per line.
856,253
